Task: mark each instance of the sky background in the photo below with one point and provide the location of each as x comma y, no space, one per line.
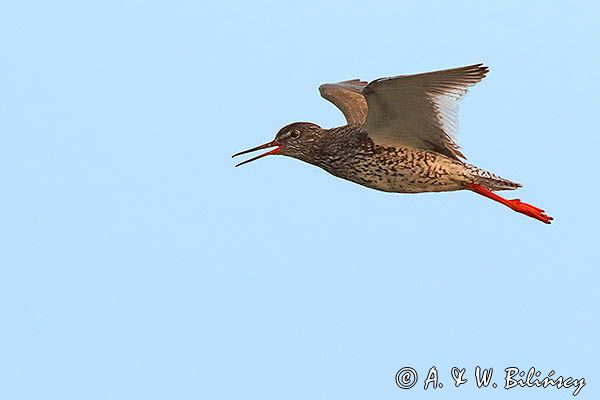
136,262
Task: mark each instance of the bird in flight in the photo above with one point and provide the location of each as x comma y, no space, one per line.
400,137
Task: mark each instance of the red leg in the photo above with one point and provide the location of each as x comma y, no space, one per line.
514,204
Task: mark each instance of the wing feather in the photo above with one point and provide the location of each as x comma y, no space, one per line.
421,110
347,96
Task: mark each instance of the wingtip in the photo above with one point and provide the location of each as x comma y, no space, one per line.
476,71
483,69
324,90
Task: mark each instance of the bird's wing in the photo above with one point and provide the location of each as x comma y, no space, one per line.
419,111
348,98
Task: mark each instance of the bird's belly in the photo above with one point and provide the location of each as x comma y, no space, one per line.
402,170
409,185
400,180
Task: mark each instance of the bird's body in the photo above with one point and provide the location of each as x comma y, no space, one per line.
399,137
349,153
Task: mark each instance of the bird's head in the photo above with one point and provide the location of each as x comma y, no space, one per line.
294,140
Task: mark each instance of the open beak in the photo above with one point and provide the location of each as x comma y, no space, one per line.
263,146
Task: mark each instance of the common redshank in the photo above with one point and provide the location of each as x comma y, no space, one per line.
400,137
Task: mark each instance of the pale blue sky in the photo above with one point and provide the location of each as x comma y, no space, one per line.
136,262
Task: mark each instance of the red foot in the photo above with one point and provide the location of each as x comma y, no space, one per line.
515,204
530,210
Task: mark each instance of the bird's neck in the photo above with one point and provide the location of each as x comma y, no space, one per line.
336,146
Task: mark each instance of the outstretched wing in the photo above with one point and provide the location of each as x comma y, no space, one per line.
419,111
348,98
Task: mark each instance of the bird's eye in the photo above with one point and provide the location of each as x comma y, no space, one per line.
295,134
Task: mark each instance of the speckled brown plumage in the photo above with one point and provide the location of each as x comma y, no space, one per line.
349,153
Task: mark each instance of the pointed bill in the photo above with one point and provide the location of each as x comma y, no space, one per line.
273,143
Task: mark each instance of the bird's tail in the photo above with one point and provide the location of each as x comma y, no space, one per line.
489,180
